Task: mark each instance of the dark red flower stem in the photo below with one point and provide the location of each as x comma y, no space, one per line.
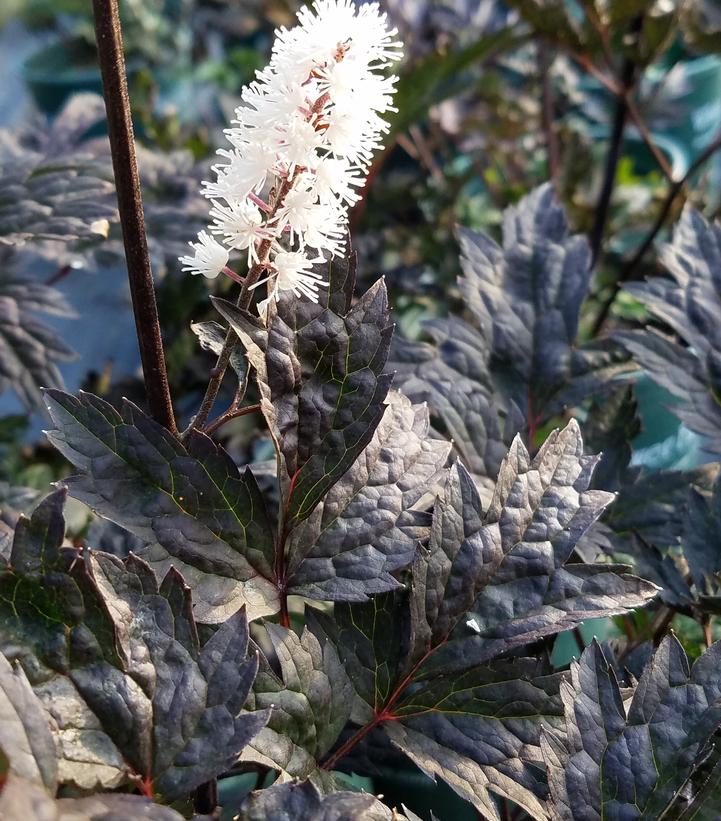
532,422
280,569
544,58
233,412
130,206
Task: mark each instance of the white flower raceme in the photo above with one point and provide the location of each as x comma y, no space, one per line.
301,145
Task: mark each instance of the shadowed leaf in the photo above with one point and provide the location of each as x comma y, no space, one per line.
690,304
22,799
309,704
190,506
616,763
117,663
30,350
303,802
25,731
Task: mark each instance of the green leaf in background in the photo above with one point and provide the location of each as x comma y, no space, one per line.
438,77
700,22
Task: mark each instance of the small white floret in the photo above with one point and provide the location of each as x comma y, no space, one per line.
209,259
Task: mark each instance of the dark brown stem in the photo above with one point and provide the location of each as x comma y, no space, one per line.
628,73
630,267
578,637
355,739
130,206
283,614
280,570
425,154
384,713
633,112
655,631
262,774
231,413
589,9
548,110
661,624
587,65
533,418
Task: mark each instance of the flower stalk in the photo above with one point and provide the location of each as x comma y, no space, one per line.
130,206
246,293
305,133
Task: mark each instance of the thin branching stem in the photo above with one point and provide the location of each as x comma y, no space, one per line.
615,146
629,269
645,134
231,413
616,87
221,366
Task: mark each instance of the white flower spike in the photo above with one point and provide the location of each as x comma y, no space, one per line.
308,127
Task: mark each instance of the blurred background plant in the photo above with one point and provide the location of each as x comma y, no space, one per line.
616,102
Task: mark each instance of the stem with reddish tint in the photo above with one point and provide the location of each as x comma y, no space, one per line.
280,570
531,421
221,366
548,110
382,715
232,413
